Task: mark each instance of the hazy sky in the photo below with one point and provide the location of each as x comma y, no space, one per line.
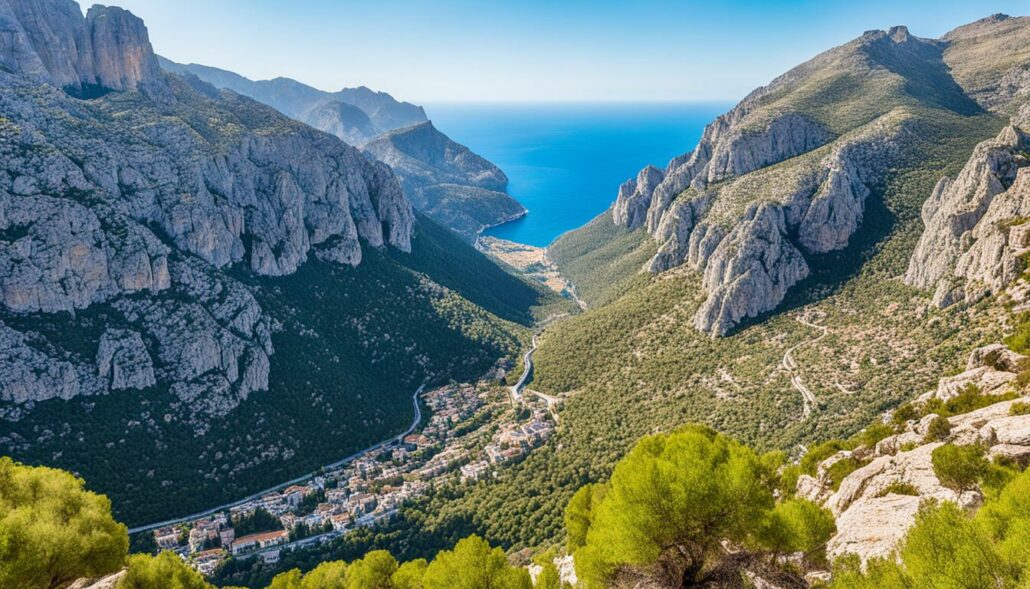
532,50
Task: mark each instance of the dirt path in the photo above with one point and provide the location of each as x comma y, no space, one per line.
790,365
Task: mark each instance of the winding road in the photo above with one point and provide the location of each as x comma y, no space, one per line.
302,479
790,365
527,370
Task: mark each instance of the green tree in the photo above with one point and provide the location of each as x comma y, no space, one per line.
672,499
164,571
796,525
947,550
52,530
328,575
473,564
291,579
549,577
959,467
410,575
579,514
372,572
938,430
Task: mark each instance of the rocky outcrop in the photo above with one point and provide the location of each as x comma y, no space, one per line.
123,361
134,205
753,265
876,504
446,180
630,208
52,41
773,181
976,224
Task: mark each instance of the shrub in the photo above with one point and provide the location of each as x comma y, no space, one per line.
959,467
899,488
1019,408
165,570
938,430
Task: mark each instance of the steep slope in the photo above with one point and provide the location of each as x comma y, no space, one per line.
446,180
848,342
783,176
192,283
443,179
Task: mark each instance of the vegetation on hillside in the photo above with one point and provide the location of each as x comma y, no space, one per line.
355,343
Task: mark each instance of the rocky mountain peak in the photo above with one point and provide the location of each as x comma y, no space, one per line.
899,34
51,41
123,58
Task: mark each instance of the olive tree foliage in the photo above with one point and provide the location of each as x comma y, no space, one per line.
164,571
473,564
673,499
52,530
948,548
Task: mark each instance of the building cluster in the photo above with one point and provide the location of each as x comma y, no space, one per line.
470,429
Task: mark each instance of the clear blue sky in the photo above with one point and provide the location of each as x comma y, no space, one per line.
532,50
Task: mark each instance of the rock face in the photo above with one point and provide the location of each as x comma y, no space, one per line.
976,224
872,517
123,360
51,41
772,183
445,179
343,120
133,203
442,178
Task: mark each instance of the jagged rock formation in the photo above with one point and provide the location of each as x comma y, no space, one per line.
134,201
51,41
872,516
778,179
442,178
976,225
445,179
786,174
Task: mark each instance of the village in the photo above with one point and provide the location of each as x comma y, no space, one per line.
471,430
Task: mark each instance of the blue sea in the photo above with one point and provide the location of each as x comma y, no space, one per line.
565,162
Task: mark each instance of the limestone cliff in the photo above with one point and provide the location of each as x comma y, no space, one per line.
876,504
138,199
445,179
976,233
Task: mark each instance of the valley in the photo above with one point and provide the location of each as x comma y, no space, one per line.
781,344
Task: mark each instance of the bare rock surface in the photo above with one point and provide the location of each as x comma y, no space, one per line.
130,192
875,505
976,228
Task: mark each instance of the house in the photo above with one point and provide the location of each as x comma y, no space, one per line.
474,471
167,538
259,541
197,539
271,556
207,561
227,536
340,521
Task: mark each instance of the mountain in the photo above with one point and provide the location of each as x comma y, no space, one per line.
442,178
757,283
198,295
295,99
445,179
